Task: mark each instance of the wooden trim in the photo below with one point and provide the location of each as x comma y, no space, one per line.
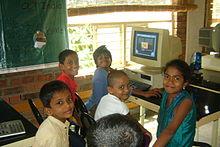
129,8
24,106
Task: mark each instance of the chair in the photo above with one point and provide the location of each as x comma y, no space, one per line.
79,104
35,111
86,120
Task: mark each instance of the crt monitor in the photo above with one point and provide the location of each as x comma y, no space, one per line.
153,47
209,37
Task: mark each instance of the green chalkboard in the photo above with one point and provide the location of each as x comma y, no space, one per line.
20,20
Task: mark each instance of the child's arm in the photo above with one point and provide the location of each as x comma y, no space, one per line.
153,92
142,128
181,111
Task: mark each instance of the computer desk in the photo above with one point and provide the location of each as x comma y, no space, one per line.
8,113
208,108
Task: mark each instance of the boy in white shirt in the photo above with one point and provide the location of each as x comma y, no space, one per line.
58,105
118,93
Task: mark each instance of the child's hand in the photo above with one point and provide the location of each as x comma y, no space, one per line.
154,92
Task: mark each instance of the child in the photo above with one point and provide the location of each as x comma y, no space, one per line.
118,93
103,60
58,105
115,130
69,65
177,115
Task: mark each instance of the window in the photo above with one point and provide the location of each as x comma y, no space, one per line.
215,13
86,33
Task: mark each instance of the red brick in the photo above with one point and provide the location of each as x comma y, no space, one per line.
29,87
45,77
16,81
6,99
15,99
28,79
14,74
29,96
40,84
34,71
3,83
14,90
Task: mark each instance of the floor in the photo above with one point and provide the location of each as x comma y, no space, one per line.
151,125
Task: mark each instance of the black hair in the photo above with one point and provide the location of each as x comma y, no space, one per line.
49,89
62,56
115,130
182,66
101,50
112,76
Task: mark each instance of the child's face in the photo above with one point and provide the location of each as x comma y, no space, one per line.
103,61
120,88
173,81
70,65
61,105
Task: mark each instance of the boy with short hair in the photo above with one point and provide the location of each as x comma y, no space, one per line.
58,105
115,130
103,60
118,93
69,65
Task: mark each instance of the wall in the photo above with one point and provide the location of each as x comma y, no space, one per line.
17,87
195,21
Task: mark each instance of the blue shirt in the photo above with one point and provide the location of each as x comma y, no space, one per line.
99,87
184,135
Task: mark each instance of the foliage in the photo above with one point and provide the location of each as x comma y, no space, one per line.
81,41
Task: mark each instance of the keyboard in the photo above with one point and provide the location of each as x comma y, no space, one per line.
139,85
11,128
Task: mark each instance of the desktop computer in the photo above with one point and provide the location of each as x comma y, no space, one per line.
141,74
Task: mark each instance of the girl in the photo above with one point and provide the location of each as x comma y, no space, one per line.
177,115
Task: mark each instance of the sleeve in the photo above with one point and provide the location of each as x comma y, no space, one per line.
99,90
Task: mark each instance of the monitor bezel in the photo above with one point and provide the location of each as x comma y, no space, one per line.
136,33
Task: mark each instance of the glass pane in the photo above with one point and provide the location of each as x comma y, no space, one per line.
111,38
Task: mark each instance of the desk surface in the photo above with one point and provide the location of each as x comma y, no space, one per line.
8,113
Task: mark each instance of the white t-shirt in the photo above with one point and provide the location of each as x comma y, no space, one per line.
110,104
52,133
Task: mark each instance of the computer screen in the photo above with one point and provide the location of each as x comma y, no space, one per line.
154,47
145,45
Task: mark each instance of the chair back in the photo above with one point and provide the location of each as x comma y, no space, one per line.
79,105
35,111
86,120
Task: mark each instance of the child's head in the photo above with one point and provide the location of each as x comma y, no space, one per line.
118,84
57,100
102,57
176,76
69,62
115,130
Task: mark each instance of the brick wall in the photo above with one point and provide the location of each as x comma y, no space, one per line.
181,30
16,88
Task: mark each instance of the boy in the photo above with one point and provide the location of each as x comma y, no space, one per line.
103,59
58,105
118,93
69,65
115,130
